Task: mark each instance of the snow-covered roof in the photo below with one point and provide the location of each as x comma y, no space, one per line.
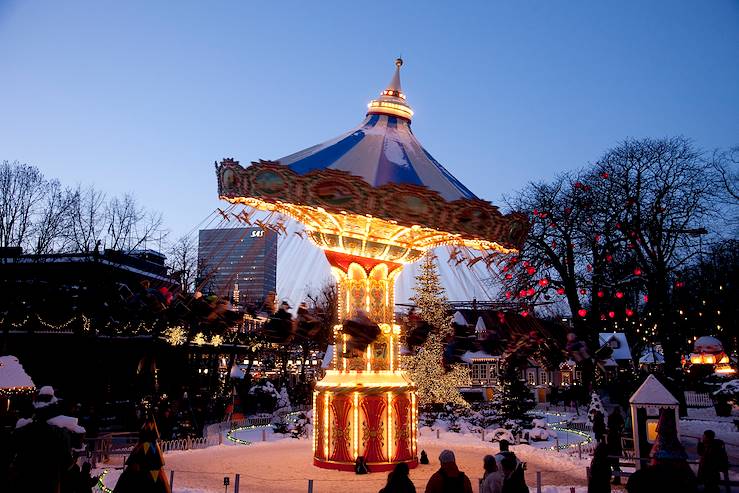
708,344
480,325
653,393
469,356
617,341
12,374
651,356
459,319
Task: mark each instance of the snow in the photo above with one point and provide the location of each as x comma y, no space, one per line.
651,356
459,319
12,373
285,465
617,341
469,356
67,422
652,392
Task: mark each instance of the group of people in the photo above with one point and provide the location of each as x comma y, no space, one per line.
605,459
667,468
502,473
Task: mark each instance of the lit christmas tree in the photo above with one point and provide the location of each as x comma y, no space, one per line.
436,384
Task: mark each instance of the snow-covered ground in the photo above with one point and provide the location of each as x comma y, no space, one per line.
284,465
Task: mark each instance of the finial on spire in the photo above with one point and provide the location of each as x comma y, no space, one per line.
392,100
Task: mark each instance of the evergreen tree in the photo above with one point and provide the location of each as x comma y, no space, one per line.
513,398
595,405
436,384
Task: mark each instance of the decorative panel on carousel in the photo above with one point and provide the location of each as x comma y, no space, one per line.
372,417
402,430
341,432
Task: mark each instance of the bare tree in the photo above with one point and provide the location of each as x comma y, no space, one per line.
86,221
726,164
53,219
552,259
183,260
660,193
22,190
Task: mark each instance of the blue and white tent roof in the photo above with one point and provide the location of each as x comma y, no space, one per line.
382,149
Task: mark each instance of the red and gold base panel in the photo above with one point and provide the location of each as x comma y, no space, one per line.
378,423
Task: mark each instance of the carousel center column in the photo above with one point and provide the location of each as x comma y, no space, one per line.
365,405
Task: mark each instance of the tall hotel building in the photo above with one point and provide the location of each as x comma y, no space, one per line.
238,263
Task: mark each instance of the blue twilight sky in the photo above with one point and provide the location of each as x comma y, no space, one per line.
143,96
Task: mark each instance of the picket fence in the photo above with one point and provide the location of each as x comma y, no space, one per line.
698,399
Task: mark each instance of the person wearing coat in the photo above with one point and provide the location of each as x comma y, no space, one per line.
398,480
713,461
448,479
600,471
613,438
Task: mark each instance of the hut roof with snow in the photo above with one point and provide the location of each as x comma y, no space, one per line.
13,378
653,393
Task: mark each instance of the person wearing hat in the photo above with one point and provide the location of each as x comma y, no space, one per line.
448,479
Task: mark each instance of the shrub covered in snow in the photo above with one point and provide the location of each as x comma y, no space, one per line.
540,431
301,426
502,434
729,391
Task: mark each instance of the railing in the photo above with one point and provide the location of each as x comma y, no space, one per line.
189,443
698,399
579,426
223,426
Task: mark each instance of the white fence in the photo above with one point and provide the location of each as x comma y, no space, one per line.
189,443
698,399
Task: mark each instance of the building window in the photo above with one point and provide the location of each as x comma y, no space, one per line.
566,378
531,377
543,377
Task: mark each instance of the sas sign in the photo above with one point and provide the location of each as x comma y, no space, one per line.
257,234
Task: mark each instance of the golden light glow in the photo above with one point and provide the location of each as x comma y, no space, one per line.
374,237
414,418
389,426
315,428
386,107
326,429
725,370
391,348
355,425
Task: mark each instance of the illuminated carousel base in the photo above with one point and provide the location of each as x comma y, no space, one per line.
373,467
371,414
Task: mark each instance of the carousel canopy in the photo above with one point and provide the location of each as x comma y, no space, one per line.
374,191
382,150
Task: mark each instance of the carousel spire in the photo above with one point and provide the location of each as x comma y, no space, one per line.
392,100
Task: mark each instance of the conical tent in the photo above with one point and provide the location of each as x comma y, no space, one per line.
144,471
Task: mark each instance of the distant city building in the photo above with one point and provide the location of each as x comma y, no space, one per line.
237,263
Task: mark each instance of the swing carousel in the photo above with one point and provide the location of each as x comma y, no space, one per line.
374,200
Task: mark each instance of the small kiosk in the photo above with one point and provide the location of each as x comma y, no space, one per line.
648,403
